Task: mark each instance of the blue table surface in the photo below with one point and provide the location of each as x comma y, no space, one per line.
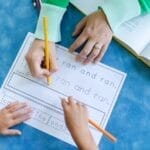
130,119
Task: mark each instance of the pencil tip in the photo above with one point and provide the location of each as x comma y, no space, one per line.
49,81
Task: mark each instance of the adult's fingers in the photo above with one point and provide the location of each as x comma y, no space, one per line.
93,55
101,54
78,42
11,132
79,27
86,50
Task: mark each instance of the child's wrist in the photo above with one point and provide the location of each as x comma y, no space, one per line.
84,140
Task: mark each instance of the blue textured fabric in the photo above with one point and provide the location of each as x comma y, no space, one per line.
129,121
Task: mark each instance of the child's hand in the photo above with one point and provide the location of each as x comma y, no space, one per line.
35,59
11,115
76,117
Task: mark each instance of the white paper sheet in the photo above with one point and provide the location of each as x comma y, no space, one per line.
97,86
135,33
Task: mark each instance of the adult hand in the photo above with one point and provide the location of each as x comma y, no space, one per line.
95,32
35,59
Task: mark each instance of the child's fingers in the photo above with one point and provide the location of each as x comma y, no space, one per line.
36,69
85,110
39,72
11,132
71,101
44,73
53,61
64,103
11,104
21,112
80,107
17,106
21,119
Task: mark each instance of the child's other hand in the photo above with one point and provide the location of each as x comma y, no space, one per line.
13,114
76,117
35,59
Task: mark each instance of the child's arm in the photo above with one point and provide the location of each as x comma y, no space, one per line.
54,11
76,117
12,115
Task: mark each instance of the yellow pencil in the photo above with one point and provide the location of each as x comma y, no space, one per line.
46,49
105,133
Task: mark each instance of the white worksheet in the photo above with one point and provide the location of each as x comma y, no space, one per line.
96,86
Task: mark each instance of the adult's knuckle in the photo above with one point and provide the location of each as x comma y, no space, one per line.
84,53
95,53
88,31
77,43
